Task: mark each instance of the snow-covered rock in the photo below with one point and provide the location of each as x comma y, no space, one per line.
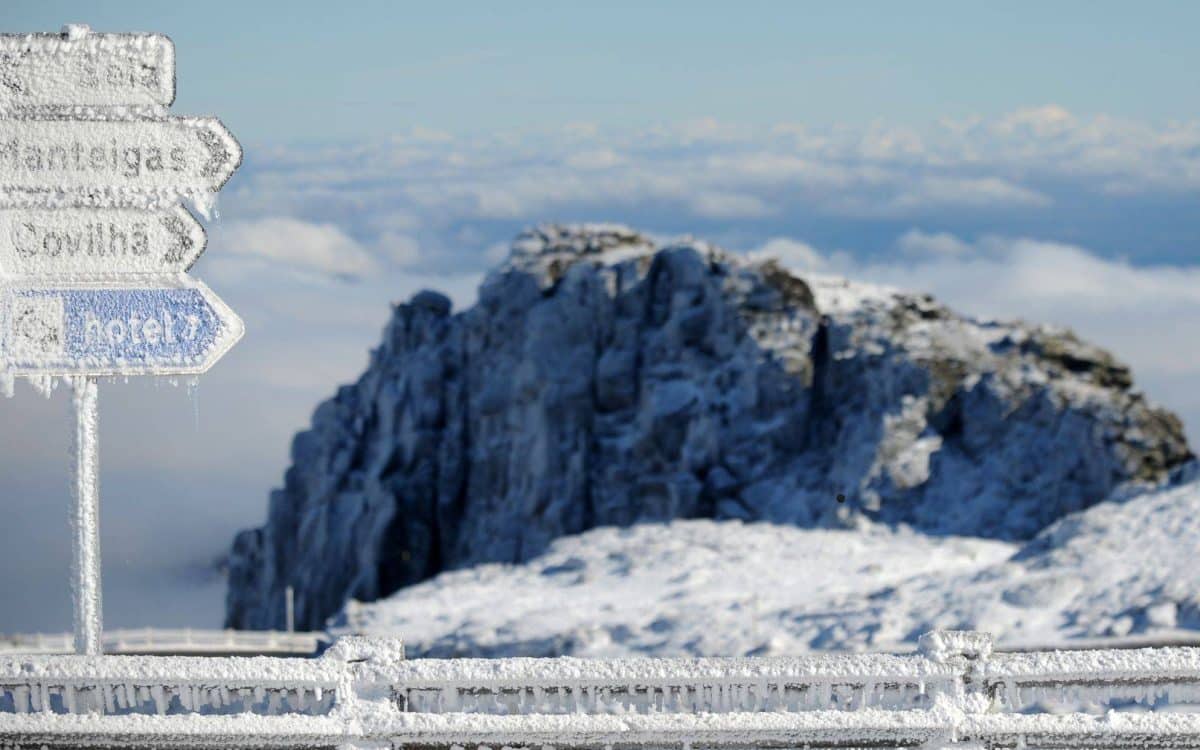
603,380
701,587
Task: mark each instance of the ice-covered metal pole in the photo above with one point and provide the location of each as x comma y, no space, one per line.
290,609
85,517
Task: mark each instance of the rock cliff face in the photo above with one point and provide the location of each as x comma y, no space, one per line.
601,380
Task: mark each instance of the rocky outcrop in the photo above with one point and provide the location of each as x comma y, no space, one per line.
601,380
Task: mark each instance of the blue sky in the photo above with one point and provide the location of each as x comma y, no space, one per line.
1018,160
360,69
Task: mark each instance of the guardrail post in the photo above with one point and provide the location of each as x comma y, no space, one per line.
365,688
965,651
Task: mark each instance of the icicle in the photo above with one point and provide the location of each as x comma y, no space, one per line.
205,204
43,384
160,701
193,392
110,705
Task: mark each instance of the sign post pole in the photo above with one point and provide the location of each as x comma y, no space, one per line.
85,517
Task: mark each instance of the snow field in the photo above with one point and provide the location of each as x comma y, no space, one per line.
699,587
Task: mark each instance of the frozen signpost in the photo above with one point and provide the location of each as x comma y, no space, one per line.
95,241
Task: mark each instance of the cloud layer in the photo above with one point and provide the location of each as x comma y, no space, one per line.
1038,172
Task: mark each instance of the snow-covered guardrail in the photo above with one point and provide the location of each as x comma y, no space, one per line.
363,693
1146,676
172,641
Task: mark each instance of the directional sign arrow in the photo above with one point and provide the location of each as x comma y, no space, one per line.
176,326
86,69
142,162
82,242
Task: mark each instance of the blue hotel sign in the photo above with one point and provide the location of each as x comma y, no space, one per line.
176,330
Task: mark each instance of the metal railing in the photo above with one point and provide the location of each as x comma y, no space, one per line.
171,641
363,693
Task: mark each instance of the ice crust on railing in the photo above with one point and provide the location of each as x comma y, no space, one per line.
634,698
570,685
1127,664
840,668
941,645
131,698
165,639
1151,677
364,689
162,685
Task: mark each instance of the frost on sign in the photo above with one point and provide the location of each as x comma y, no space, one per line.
114,162
86,70
172,329
70,241
93,239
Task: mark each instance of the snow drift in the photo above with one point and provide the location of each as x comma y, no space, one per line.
705,588
602,380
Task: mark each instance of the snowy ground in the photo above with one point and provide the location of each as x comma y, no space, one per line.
701,587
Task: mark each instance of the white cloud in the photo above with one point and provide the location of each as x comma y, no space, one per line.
323,248
729,206
401,249
934,192
1047,120
793,254
916,242
603,158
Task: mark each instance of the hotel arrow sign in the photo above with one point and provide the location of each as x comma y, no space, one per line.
98,243
137,163
82,69
175,327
